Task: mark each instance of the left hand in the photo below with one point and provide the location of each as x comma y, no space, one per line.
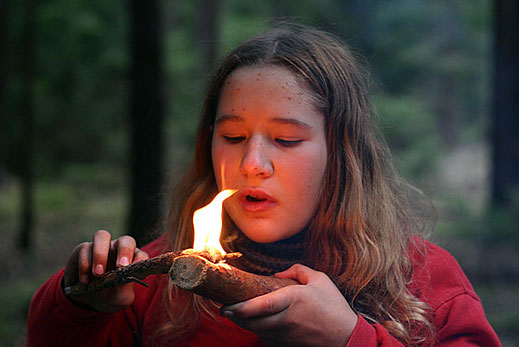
312,314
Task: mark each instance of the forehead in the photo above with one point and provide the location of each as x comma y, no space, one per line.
267,95
269,77
265,87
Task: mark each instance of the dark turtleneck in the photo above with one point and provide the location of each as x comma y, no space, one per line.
269,258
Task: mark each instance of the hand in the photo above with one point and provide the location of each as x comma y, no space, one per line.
92,259
312,314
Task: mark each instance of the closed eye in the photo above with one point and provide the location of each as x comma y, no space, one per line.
288,143
234,139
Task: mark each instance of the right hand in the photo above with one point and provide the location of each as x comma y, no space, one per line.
93,259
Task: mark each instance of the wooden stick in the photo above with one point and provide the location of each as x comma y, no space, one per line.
201,272
221,282
132,273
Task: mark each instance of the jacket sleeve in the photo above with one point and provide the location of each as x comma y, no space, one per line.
54,320
368,335
460,321
457,312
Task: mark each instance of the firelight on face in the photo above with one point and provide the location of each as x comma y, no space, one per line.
269,143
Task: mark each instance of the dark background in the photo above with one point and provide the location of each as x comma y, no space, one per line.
99,102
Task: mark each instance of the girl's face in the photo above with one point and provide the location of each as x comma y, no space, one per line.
269,143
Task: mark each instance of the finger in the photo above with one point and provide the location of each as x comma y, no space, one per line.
84,261
302,274
261,306
139,255
266,324
125,247
122,297
100,251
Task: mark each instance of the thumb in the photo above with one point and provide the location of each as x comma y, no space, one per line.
301,273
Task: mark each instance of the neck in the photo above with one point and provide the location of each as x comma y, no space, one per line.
269,258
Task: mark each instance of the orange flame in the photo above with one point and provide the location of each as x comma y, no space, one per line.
207,222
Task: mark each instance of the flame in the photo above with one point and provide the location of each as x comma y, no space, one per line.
207,222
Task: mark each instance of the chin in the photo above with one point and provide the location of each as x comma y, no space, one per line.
265,235
259,234
261,238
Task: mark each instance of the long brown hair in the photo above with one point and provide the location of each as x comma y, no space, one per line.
362,229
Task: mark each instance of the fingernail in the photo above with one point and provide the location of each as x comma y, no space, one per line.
227,313
99,269
124,261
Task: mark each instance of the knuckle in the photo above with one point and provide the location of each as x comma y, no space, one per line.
141,254
83,246
84,266
127,241
268,305
101,233
97,252
297,267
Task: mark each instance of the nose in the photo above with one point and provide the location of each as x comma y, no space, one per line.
256,160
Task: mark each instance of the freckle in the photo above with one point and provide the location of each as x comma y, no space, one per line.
243,109
232,110
257,79
283,87
259,74
289,98
237,89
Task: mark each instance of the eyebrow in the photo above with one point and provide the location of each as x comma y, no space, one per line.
291,121
228,118
279,120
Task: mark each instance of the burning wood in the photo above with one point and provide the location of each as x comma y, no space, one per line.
201,270
198,272
221,282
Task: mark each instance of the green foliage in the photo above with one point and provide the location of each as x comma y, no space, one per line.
493,226
80,81
428,59
15,300
410,129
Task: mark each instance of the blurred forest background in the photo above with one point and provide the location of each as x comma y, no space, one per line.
99,102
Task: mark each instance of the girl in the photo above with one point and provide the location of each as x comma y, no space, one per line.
287,122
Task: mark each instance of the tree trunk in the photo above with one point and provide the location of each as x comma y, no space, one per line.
27,116
4,77
208,32
448,112
146,118
505,135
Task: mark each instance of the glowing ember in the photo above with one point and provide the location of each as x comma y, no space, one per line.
207,222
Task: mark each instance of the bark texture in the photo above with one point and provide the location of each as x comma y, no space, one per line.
131,273
221,282
202,273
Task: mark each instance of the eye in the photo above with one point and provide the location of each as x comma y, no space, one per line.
288,143
234,139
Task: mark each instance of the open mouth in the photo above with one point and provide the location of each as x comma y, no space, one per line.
254,198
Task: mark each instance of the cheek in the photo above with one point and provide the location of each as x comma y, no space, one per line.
216,158
306,177
315,168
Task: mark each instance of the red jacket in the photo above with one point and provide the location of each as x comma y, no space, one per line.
55,321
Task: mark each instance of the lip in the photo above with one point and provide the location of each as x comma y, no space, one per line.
267,201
